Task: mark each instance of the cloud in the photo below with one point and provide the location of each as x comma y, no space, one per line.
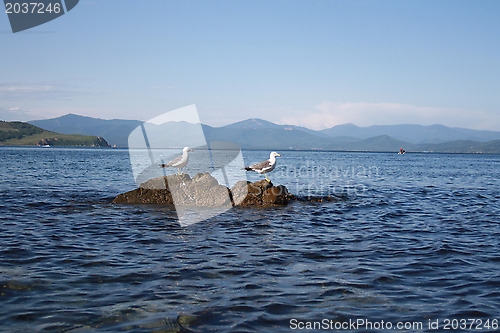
15,113
23,101
19,88
329,114
35,91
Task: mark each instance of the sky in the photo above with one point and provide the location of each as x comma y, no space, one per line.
313,63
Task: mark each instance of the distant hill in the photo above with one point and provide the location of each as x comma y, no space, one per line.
413,133
258,124
23,134
272,138
377,143
262,134
115,131
252,123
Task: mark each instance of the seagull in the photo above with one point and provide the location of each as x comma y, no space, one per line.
266,166
179,162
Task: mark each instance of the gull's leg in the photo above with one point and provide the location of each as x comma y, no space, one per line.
266,177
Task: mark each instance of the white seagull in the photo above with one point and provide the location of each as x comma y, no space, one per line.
266,166
179,162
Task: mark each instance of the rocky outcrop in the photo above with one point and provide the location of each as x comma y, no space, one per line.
260,194
72,140
203,190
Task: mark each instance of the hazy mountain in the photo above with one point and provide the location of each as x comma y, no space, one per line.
377,143
22,134
278,137
262,134
168,134
255,123
115,131
252,123
413,133
251,133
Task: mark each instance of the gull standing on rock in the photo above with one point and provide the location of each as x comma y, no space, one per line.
179,162
266,166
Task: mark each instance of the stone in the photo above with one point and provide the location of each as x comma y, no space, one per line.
275,195
203,190
260,194
145,196
204,179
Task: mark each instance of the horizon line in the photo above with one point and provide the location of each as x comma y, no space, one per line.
261,119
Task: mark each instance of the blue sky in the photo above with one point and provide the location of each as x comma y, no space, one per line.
309,63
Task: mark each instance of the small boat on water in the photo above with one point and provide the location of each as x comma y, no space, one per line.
402,151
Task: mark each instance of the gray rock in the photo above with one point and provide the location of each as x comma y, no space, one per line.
204,191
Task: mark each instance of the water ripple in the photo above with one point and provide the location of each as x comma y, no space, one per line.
420,241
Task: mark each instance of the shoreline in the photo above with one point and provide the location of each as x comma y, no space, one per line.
266,149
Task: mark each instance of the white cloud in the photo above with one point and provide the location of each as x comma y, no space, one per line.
19,88
13,92
329,114
16,113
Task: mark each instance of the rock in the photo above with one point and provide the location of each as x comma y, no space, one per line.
259,187
202,195
205,179
177,181
180,190
168,182
275,195
204,191
260,194
145,196
239,192
159,183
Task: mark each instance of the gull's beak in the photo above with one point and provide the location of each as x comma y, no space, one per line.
191,150
279,155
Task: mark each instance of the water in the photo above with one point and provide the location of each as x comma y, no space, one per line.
412,238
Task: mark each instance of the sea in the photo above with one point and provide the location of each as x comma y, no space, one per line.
410,243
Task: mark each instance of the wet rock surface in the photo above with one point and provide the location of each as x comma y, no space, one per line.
203,190
260,194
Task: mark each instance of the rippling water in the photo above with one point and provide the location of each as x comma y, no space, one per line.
412,238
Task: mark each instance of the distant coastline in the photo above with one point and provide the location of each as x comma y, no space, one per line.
19,134
258,134
261,149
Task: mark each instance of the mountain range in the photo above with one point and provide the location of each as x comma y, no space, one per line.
262,134
413,133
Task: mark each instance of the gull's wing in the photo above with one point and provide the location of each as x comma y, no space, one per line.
172,162
261,165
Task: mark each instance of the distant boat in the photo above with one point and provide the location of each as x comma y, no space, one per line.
402,151
45,146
